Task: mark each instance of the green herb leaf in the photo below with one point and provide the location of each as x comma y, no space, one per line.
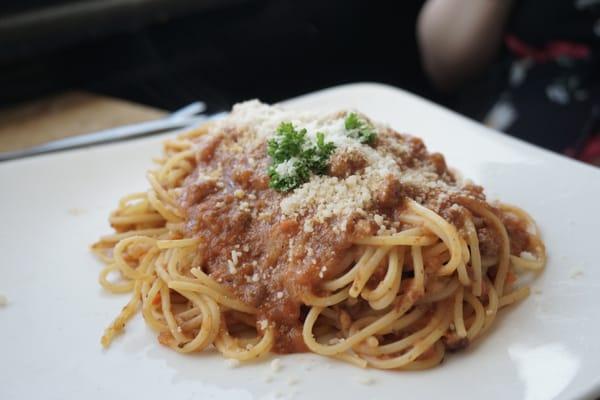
319,155
294,157
287,143
352,122
293,174
359,129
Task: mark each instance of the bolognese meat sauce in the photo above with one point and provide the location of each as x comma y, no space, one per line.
270,248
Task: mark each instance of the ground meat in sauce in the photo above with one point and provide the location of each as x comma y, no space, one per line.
346,163
268,259
520,240
389,194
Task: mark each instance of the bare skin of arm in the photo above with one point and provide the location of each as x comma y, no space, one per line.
459,38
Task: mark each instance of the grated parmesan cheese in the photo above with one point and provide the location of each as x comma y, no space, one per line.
244,206
366,380
76,211
330,196
276,365
322,271
232,362
231,267
525,255
372,341
308,225
234,256
287,168
338,197
575,273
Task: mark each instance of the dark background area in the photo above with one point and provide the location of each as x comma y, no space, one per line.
169,53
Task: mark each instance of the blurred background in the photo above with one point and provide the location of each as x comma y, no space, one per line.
529,68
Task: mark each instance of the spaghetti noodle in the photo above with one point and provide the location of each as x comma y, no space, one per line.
387,261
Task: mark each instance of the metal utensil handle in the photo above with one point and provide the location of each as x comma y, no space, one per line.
110,135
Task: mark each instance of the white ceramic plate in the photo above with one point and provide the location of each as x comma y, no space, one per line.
54,206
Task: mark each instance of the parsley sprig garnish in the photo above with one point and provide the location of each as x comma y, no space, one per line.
359,129
317,156
294,157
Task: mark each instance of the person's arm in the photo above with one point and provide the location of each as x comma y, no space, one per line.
459,38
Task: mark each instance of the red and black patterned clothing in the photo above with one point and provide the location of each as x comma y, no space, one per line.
545,87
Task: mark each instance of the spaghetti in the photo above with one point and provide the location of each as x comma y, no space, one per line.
386,261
